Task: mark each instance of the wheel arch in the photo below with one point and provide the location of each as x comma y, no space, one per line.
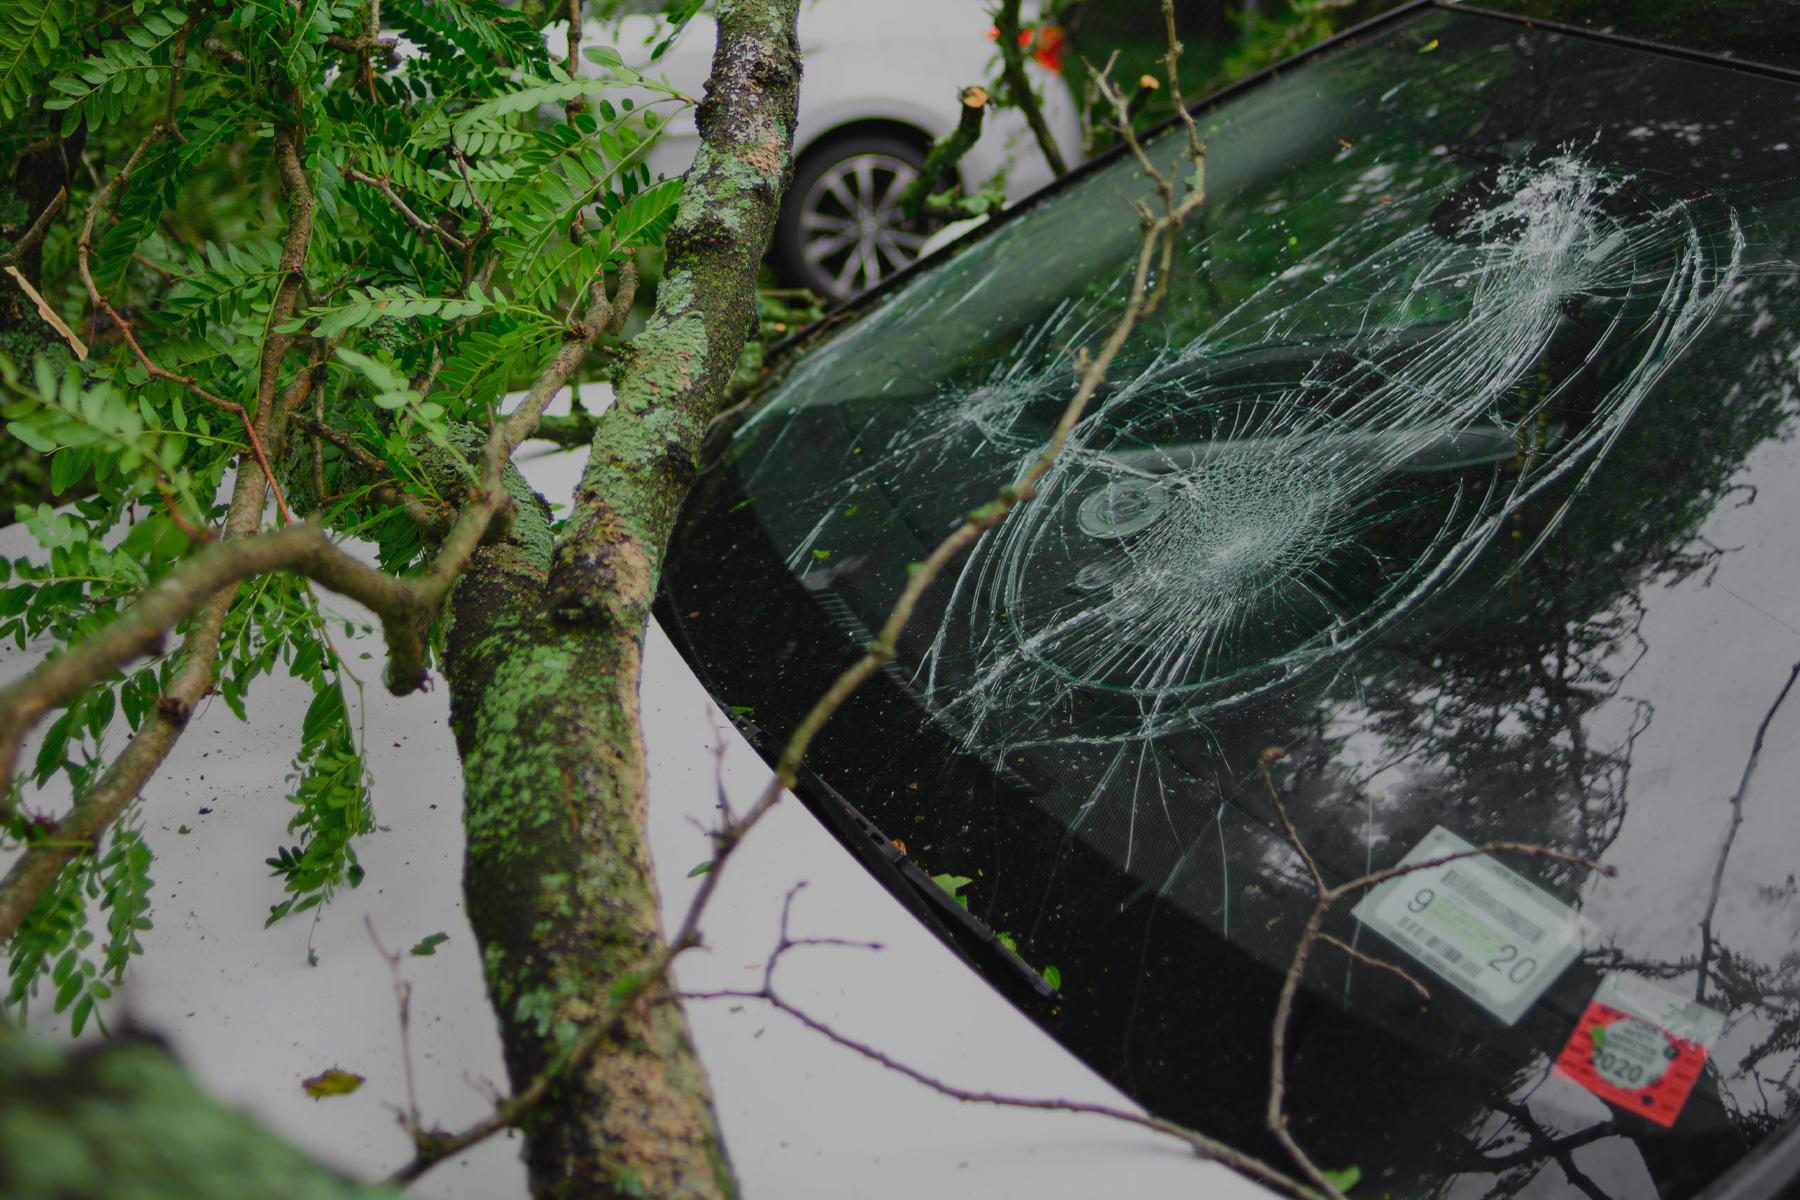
900,131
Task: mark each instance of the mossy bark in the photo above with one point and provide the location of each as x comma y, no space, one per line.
37,175
543,653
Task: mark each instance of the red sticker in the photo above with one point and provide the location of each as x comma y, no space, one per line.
1635,1064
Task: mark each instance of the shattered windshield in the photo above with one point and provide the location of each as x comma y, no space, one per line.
1457,464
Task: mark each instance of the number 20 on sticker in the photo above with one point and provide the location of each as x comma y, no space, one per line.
1517,968
1491,933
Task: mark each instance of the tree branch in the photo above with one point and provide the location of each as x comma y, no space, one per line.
1737,818
426,229
1012,60
35,234
945,153
1203,1146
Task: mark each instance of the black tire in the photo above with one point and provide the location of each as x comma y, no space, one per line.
841,231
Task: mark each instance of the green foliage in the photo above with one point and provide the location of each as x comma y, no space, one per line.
30,33
1284,31
331,793
427,946
93,433
109,84
54,939
504,190
953,884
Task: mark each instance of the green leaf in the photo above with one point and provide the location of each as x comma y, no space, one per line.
1053,977
702,869
647,217
1347,1178
326,710
951,883
334,1082
560,89
427,947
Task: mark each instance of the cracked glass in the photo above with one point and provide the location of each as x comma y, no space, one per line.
1456,462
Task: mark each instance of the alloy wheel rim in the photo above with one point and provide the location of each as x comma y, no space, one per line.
851,230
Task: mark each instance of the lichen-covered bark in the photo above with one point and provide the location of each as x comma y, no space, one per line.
543,655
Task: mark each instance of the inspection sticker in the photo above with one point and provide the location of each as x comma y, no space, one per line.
1491,933
1640,1047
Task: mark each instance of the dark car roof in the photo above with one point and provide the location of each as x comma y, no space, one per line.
1763,32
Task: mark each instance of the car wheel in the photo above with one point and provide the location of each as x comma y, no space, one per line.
841,231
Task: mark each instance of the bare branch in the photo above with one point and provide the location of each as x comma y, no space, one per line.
403,1001
1737,818
1360,957
1201,1145
35,233
1275,1115
1287,827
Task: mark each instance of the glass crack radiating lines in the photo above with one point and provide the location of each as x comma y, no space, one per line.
1177,559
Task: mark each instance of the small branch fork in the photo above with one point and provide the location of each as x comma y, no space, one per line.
1327,895
403,1000
649,979
1202,1145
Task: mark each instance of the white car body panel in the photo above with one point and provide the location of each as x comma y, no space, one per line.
864,63
803,1119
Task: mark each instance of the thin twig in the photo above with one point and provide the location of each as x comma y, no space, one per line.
1360,957
1199,1143
1737,819
1275,1114
83,248
425,228
403,999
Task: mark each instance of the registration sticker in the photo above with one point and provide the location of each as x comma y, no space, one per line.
1640,1047
1488,931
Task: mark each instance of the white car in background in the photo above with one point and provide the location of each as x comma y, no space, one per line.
880,83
